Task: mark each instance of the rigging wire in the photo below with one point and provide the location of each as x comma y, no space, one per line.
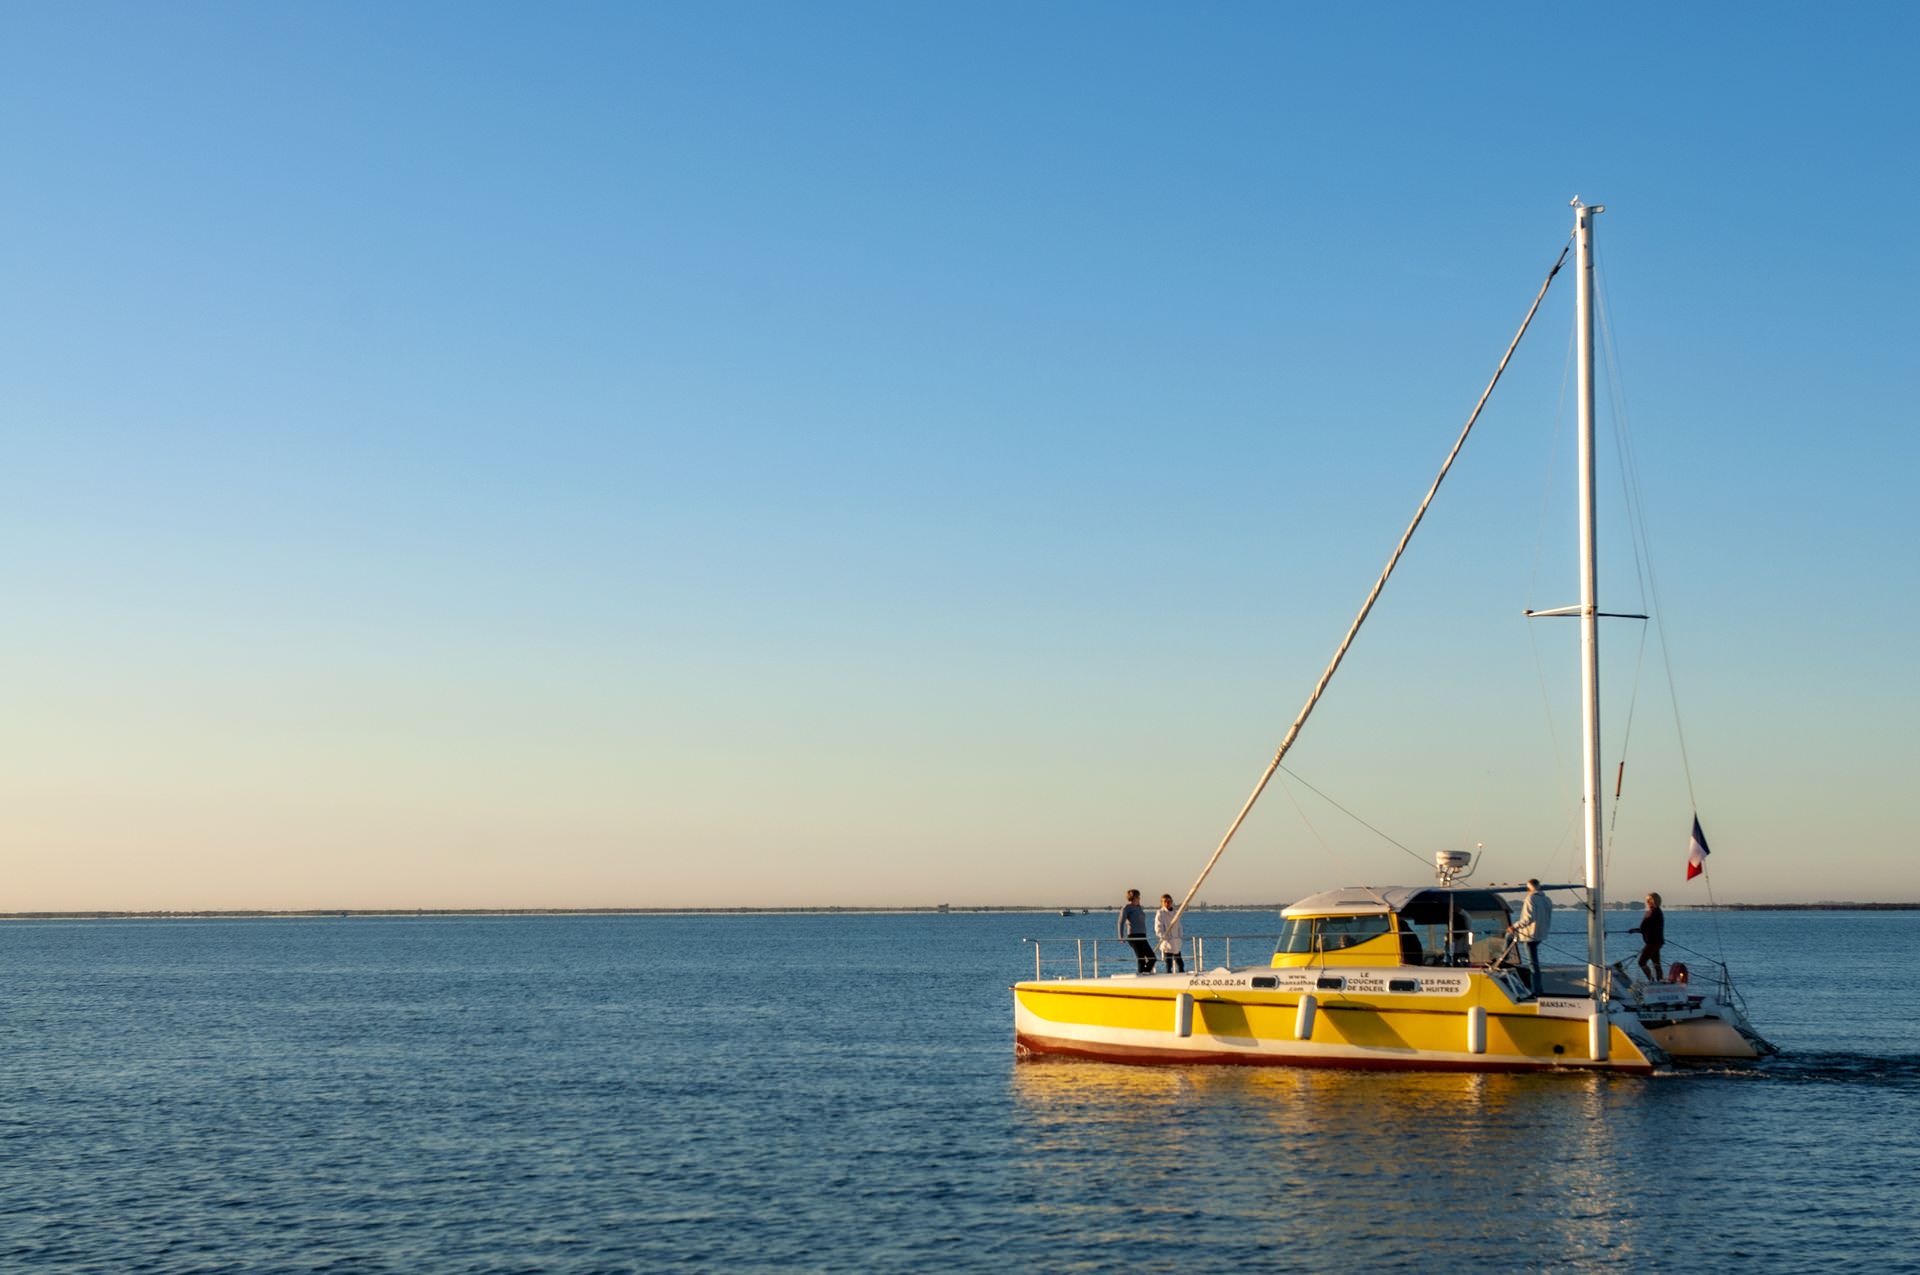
1539,554
1353,630
1563,848
1631,470
1549,480
1643,557
1636,538
1570,852
1626,734
1291,774
1293,801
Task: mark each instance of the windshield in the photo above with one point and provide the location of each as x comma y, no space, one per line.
1330,933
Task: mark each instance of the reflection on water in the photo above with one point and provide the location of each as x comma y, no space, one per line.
1359,1168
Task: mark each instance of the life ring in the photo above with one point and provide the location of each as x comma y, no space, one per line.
1677,973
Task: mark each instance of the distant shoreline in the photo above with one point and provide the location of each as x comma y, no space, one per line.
239,914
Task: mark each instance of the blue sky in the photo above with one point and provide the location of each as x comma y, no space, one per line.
709,454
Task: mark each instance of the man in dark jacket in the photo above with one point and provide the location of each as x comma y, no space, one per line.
1653,936
1133,928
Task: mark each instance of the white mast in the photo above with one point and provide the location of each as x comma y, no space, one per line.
1590,623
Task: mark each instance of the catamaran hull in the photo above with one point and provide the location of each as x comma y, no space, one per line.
1144,1025
1333,1059
1710,1039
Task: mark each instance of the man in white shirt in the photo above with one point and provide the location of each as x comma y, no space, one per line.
1167,930
1536,918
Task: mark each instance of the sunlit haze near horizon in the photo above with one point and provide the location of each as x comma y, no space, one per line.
772,455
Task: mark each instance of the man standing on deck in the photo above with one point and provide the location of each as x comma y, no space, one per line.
1536,917
1133,928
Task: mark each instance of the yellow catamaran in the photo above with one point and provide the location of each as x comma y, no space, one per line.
1412,977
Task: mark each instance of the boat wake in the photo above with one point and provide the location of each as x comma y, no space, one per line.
1826,1068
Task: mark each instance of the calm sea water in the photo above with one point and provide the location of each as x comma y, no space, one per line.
839,1092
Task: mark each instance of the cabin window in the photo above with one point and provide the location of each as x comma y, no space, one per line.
1338,932
1330,933
1453,927
1268,981
1403,984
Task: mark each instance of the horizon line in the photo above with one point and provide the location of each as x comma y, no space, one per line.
114,914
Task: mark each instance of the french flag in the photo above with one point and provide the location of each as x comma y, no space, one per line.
1697,851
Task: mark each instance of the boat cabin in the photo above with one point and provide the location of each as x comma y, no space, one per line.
1399,925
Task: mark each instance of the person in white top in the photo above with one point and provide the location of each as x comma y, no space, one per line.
1536,917
1167,930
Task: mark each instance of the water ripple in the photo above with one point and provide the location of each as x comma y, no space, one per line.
804,1093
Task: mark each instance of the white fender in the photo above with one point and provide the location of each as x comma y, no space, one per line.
1303,1021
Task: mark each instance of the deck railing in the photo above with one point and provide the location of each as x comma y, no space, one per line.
1099,958
1102,958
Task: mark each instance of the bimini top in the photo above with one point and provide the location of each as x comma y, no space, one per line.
1356,900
